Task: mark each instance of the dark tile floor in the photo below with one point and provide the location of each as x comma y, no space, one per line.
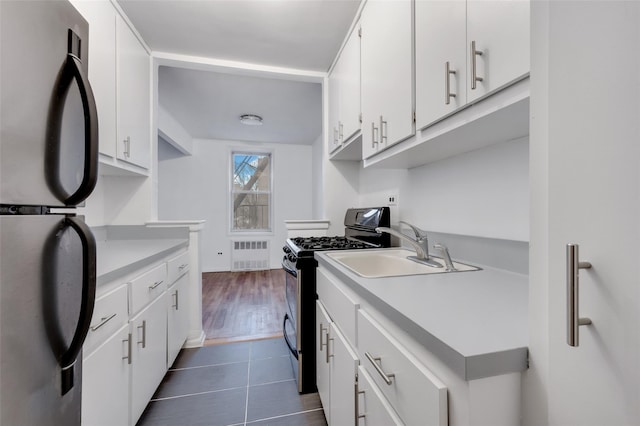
246,383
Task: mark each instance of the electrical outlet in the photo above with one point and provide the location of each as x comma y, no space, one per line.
392,200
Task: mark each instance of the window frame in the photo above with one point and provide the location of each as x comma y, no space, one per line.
231,192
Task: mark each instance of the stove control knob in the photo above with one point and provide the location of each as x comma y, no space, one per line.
286,249
291,257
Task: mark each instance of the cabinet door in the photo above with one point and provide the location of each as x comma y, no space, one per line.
387,73
101,17
349,77
133,96
105,382
373,409
177,321
334,110
500,30
322,361
343,367
440,47
149,357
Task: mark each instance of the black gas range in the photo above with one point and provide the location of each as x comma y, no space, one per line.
300,266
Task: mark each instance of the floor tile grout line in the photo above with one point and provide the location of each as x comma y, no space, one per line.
246,405
206,366
283,415
166,398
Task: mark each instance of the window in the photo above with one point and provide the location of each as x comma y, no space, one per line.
250,191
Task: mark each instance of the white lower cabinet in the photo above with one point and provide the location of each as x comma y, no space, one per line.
138,327
105,382
372,408
149,354
177,320
414,392
336,368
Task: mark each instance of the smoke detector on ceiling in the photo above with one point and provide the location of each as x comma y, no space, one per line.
251,119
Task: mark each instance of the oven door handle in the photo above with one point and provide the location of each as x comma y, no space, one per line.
294,352
288,268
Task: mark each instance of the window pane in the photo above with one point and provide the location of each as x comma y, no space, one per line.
251,211
251,172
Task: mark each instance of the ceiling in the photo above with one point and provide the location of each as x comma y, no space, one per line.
294,34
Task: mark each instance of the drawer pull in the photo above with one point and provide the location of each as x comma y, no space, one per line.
181,267
155,285
322,329
144,334
176,305
327,353
129,349
103,321
387,377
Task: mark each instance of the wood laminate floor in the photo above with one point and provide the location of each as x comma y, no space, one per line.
239,306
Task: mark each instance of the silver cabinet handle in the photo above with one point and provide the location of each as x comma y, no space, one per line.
103,321
573,316
340,131
374,130
144,334
155,285
127,147
321,332
474,74
176,295
129,349
335,136
447,83
181,267
383,133
356,395
327,353
385,376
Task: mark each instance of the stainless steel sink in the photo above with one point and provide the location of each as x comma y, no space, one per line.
390,263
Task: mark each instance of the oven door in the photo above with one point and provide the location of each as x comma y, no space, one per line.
290,324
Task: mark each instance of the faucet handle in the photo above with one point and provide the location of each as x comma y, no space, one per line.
419,232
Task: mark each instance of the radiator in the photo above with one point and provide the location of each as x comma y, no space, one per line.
249,255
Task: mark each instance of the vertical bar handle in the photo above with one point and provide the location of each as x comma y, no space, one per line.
474,73
356,395
383,125
176,305
327,353
573,302
144,333
127,147
374,130
129,349
340,130
447,83
321,332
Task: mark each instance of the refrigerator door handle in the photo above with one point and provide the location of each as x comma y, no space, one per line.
72,70
68,359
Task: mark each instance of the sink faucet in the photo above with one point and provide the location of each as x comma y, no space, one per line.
445,255
420,244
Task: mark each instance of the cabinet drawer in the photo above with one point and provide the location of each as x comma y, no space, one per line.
412,390
372,405
109,313
176,267
147,287
340,306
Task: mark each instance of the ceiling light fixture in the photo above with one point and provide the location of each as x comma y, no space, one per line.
251,119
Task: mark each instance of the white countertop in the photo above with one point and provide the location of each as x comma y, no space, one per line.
119,257
475,321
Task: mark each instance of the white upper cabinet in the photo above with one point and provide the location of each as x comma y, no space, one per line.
500,32
387,74
349,77
448,72
120,75
134,98
344,93
102,68
441,60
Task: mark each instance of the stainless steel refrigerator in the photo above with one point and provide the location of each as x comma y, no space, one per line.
48,166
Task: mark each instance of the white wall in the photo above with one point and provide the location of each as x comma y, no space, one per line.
483,193
317,201
197,187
